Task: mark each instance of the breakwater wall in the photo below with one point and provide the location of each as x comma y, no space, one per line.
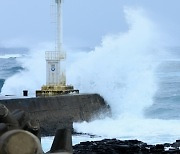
60,111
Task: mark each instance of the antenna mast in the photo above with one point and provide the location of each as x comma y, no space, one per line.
59,31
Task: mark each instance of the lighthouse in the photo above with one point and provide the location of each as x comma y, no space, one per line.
55,73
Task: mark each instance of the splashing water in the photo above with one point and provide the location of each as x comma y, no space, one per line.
122,70
32,77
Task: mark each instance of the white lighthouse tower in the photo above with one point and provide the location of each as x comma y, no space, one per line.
55,74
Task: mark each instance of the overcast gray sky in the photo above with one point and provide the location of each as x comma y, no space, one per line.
85,22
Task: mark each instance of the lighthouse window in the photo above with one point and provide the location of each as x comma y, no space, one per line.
52,67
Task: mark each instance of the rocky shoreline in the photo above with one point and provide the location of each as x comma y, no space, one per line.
114,146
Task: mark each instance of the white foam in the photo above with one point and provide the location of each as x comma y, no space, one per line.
152,131
47,141
32,77
122,70
6,56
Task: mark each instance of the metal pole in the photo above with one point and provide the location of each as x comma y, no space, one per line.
59,43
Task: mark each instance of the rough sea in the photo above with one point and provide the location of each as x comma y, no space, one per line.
166,101
8,62
137,74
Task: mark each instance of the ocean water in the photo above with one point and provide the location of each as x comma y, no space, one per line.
137,72
8,67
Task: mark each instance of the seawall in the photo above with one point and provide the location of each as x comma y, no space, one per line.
60,111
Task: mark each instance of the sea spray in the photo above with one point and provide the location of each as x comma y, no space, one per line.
151,131
123,70
32,77
5,56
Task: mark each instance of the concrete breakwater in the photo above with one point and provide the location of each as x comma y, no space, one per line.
60,111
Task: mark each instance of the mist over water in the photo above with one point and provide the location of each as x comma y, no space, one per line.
122,69
32,77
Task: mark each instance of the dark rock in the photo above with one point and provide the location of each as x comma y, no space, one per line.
159,147
176,144
171,151
167,144
114,146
